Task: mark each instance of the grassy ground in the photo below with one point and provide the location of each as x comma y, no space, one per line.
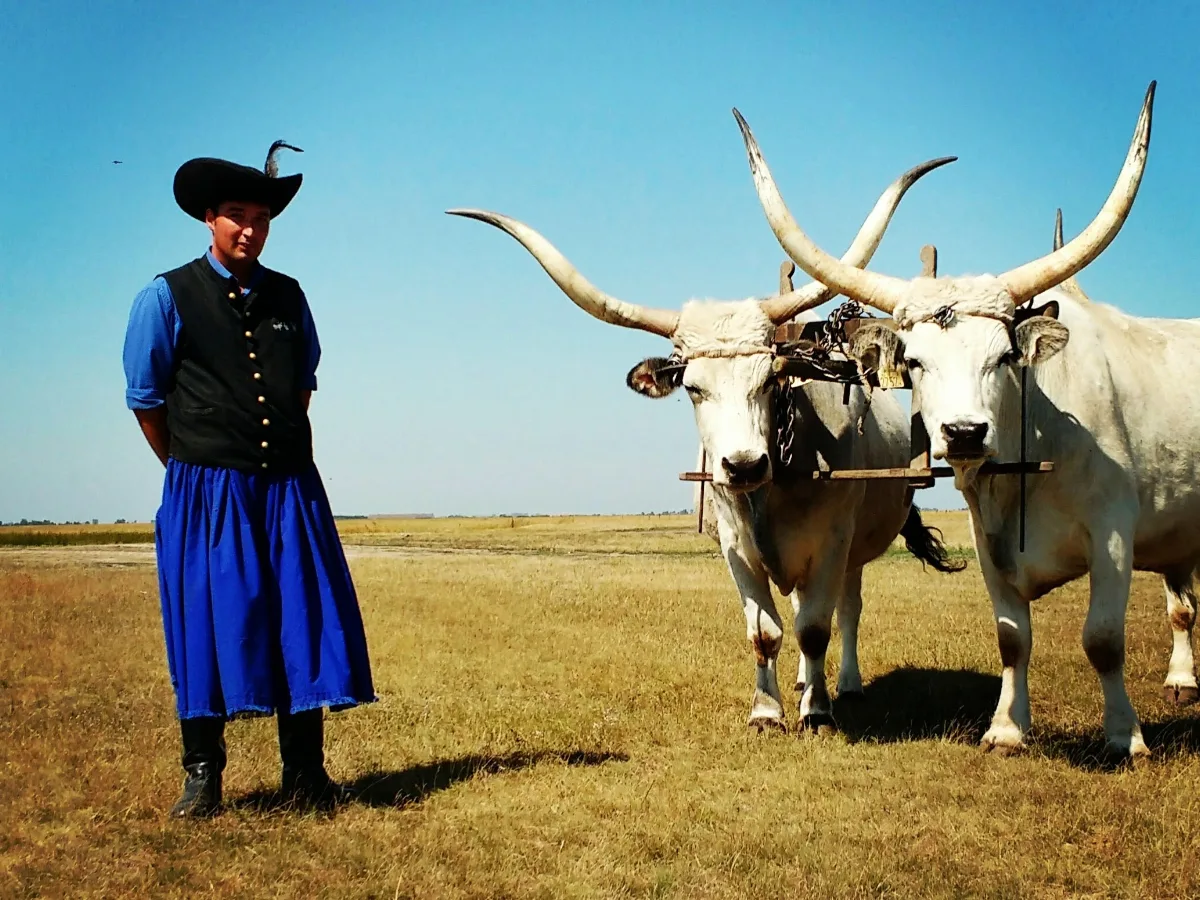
562,716
75,535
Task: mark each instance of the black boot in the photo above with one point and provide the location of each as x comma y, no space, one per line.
302,751
204,761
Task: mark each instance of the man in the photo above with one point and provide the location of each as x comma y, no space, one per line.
259,611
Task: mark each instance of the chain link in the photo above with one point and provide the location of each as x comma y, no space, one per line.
830,339
785,422
833,329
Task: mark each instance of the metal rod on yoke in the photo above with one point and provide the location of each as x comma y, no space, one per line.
919,437
700,505
1032,467
1021,543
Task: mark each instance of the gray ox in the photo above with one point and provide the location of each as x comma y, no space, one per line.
1125,492
811,539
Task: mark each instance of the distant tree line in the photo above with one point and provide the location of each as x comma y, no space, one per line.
52,522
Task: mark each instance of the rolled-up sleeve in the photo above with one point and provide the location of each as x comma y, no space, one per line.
312,346
150,340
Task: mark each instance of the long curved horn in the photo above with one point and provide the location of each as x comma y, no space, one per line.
582,292
1042,274
879,291
866,242
1071,286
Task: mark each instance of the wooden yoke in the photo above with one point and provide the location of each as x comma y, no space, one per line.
920,473
788,331
787,269
929,261
919,440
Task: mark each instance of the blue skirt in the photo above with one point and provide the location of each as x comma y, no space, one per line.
259,611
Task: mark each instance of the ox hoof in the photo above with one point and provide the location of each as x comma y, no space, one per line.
767,723
766,713
821,724
1180,695
1118,759
1003,742
1004,750
799,687
852,695
1126,750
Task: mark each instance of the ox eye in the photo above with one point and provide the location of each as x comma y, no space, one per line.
694,392
912,364
1006,359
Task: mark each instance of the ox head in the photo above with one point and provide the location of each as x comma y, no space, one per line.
961,339
722,351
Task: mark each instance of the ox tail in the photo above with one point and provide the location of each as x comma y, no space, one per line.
922,543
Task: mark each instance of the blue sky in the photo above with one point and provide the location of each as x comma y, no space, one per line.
456,378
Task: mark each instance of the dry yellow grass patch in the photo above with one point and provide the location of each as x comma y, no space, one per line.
562,716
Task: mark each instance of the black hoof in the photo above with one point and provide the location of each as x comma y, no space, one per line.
820,724
1180,696
765,723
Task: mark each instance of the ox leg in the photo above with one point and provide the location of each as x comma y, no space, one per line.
848,612
1011,720
814,619
802,677
1180,686
764,629
1104,639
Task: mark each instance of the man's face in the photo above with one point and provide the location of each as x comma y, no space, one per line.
239,229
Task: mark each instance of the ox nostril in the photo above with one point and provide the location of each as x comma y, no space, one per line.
965,432
746,468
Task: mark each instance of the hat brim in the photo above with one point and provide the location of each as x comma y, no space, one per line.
204,184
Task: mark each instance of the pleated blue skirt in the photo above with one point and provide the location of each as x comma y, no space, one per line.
259,611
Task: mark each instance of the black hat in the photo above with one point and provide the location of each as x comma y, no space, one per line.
203,184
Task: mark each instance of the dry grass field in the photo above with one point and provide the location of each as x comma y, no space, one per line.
562,715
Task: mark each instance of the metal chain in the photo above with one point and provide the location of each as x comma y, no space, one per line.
944,316
833,329
785,422
831,338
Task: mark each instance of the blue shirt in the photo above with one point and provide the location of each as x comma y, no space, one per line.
153,335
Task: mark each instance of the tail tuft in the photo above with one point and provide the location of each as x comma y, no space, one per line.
925,546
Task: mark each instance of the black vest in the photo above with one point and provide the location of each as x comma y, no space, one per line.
239,371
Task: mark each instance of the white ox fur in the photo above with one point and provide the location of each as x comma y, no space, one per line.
1124,494
1108,403
811,538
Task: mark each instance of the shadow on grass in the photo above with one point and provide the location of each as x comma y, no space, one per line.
914,704
414,784
1086,750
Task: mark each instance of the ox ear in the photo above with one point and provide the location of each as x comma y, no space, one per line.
1049,310
1039,337
656,377
878,347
